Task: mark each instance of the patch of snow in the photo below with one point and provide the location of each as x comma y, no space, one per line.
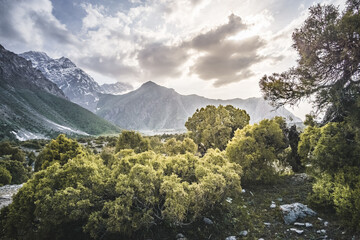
64,128
23,135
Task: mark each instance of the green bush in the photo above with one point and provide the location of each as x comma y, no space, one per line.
258,149
59,150
174,147
213,127
19,173
132,140
138,196
5,176
333,153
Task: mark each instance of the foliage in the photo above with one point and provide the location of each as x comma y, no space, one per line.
328,68
333,152
19,173
56,202
153,191
174,147
132,140
137,195
213,127
258,148
5,176
59,150
13,152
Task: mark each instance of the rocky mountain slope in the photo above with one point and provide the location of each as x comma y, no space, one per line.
31,106
116,88
77,85
153,107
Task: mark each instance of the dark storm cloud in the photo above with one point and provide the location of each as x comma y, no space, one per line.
215,36
221,59
229,61
161,60
107,65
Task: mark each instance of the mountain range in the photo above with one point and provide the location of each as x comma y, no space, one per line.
76,84
35,91
31,106
153,107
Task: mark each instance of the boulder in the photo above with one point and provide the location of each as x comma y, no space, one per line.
292,212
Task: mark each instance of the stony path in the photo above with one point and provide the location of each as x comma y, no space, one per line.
6,193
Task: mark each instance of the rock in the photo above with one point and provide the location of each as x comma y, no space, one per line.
308,225
6,194
180,236
326,224
280,199
296,230
267,224
321,231
243,233
243,190
231,238
299,224
260,239
294,211
208,221
273,205
229,200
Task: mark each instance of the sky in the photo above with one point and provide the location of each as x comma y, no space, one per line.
214,48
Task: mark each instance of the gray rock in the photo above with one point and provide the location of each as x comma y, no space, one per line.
230,238
273,205
297,230
299,224
208,221
243,233
294,211
6,194
180,236
308,225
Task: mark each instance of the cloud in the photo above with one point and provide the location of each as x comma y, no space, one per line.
109,66
31,23
215,36
160,60
228,62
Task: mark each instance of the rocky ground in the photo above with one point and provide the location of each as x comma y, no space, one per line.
6,193
281,212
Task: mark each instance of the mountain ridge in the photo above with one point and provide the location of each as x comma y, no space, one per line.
31,106
155,107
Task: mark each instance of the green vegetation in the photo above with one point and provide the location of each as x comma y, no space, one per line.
258,149
132,140
5,176
328,71
135,187
59,150
13,162
138,194
213,127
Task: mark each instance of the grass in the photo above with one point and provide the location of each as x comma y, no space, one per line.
289,189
